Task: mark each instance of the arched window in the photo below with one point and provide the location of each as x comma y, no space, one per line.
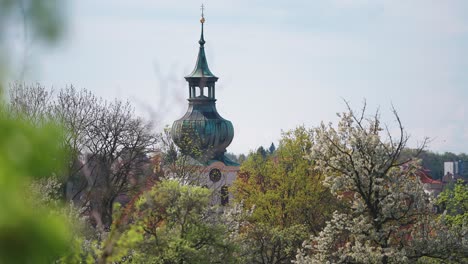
224,195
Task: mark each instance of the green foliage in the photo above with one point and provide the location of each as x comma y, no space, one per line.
177,164
241,158
287,194
29,233
272,244
284,188
38,19
262,152
190,142
171,223
46,193
454,203
43,18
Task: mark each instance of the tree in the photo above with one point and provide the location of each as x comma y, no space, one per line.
170,223
454,203
75,110
262,152
388,208
108,145
241,158
118,145
272,148
32,103
288,197
178,165
46,193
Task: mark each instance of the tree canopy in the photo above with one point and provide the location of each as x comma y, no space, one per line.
288,197
170,223
390,218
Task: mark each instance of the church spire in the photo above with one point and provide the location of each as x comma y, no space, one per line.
201,74
202,21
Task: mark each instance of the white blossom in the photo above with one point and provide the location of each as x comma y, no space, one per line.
388,208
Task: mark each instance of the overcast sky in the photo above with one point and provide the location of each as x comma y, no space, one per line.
281,63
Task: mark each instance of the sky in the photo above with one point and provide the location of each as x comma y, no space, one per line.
281,64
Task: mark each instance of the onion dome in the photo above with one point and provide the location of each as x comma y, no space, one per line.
202,133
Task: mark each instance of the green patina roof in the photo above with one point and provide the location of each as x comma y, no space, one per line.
202,133
201,69
223,159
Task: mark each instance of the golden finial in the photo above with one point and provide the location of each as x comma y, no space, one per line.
202,20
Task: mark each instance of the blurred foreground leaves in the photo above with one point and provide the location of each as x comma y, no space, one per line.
29,232
26,23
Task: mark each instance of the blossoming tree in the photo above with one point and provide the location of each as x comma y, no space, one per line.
361,161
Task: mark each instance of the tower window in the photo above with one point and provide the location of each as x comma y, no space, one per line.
224,195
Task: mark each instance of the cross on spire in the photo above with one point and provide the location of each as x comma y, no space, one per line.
202,20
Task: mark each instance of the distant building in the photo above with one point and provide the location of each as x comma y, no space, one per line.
431,186
453,167
453,171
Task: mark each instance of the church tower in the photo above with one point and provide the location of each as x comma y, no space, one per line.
202,133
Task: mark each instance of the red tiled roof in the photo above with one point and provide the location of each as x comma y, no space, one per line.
425,178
